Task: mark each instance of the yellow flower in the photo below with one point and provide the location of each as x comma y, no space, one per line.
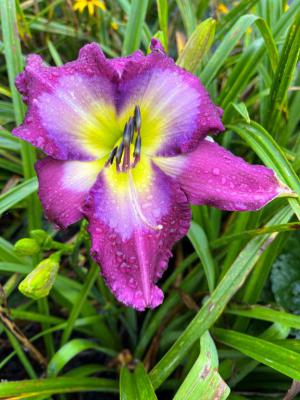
222,8
90,4
114,25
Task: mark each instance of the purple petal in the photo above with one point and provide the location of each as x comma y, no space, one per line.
66,105
156,45
212,175
119,63
176,109
63,187
133,232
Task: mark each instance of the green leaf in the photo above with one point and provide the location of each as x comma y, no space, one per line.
197,46
203,380
242,110
14,65
214,306
188,16
127,385
81,298
266,314
162,9
282,360
143,384
199,241
136,386
234,14
250,59
134,26
54,53
226,239
285,276
20,192
244,367
71,350
38,387
231,39
283,77
228,43
9,142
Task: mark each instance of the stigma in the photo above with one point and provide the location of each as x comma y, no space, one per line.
121,154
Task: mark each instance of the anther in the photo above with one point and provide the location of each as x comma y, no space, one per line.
137,118
131,126
119,154
127,134
137,150
111,157
137,146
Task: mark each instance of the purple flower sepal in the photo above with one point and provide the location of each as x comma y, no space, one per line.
127,148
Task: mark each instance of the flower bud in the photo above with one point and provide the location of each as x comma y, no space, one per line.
27,247
39,235
40,281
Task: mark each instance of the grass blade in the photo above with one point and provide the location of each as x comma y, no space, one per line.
214,306
69,351
266,314
199,240
134,26
20,192
14,63
203,380
162,8
187,12
44,387
282,360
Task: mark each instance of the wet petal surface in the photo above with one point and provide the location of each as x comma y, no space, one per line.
63,187
71,109
213,176
133,229
175,107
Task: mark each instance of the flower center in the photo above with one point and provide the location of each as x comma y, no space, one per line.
121,153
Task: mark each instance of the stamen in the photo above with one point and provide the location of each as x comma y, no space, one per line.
137,118
137,150
111,157
122,152
137,146
136,206
127,134
126,159
131,125
119,155
127,139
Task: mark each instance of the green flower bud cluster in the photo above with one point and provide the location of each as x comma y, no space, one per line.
38,240
27,247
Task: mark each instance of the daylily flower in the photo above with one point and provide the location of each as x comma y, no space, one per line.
127,148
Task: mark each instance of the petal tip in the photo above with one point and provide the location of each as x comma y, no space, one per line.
156,45
284,190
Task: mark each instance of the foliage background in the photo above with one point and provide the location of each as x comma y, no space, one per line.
236,274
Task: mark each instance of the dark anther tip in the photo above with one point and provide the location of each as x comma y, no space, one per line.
119,153
127,134
111,157
137,146
137,117
131,125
